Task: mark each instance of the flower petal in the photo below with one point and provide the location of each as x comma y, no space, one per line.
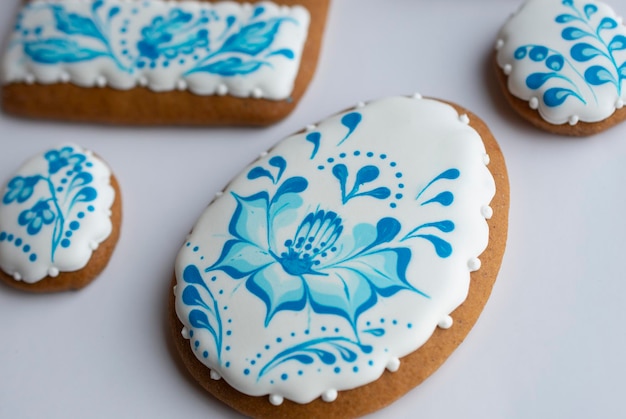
250,220
384,269
344,292
278,290
240,259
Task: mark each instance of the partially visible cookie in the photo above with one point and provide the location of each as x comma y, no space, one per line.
60,217
562,65
162,62
342,268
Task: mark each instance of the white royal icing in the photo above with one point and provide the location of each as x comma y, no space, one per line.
338,252
207,48
567,58
54,211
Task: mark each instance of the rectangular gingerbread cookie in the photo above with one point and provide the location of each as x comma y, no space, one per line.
147,62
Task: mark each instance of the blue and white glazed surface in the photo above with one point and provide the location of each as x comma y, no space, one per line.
208,48
54,212
567,58
337,252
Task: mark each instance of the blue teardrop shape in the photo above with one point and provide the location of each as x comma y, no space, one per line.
314,138
367,174
538,53
536,80
555,62
444,198
351,121
442,247
520,53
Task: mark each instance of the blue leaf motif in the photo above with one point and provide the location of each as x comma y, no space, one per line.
378,193
445,198
536,80
199,319
258,11
285,52
583,52
96,5
573,33
87,194
254,38
520,53
232,66
607,23
81,179
590,9
565,18
597,75
555,62
305,351
350,121
191,297
618,43
538,53
445,226
314,138
367,174
295,184
113,12
375,332
451,174
75,24
557,95
257,172
442,247
56,50
280,164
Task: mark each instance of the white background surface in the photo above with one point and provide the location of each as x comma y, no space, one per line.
550,343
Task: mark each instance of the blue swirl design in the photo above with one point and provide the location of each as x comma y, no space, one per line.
327,350
64,192
591,41
241,48
207,316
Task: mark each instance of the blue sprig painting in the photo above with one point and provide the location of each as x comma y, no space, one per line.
67,183
592,56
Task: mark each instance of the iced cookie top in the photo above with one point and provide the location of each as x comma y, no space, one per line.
567,58
338,252
207,48
54,212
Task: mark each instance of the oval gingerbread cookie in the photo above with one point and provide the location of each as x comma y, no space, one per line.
60,216
562,65
324,280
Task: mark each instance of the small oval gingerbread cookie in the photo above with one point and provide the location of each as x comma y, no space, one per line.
60,216
324,280
562,65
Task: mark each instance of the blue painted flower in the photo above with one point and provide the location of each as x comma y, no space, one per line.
20,189
314,264
36,217
58,159
172,35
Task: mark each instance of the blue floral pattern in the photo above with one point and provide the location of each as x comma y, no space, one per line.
296,257
591,61
67,183
221,40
